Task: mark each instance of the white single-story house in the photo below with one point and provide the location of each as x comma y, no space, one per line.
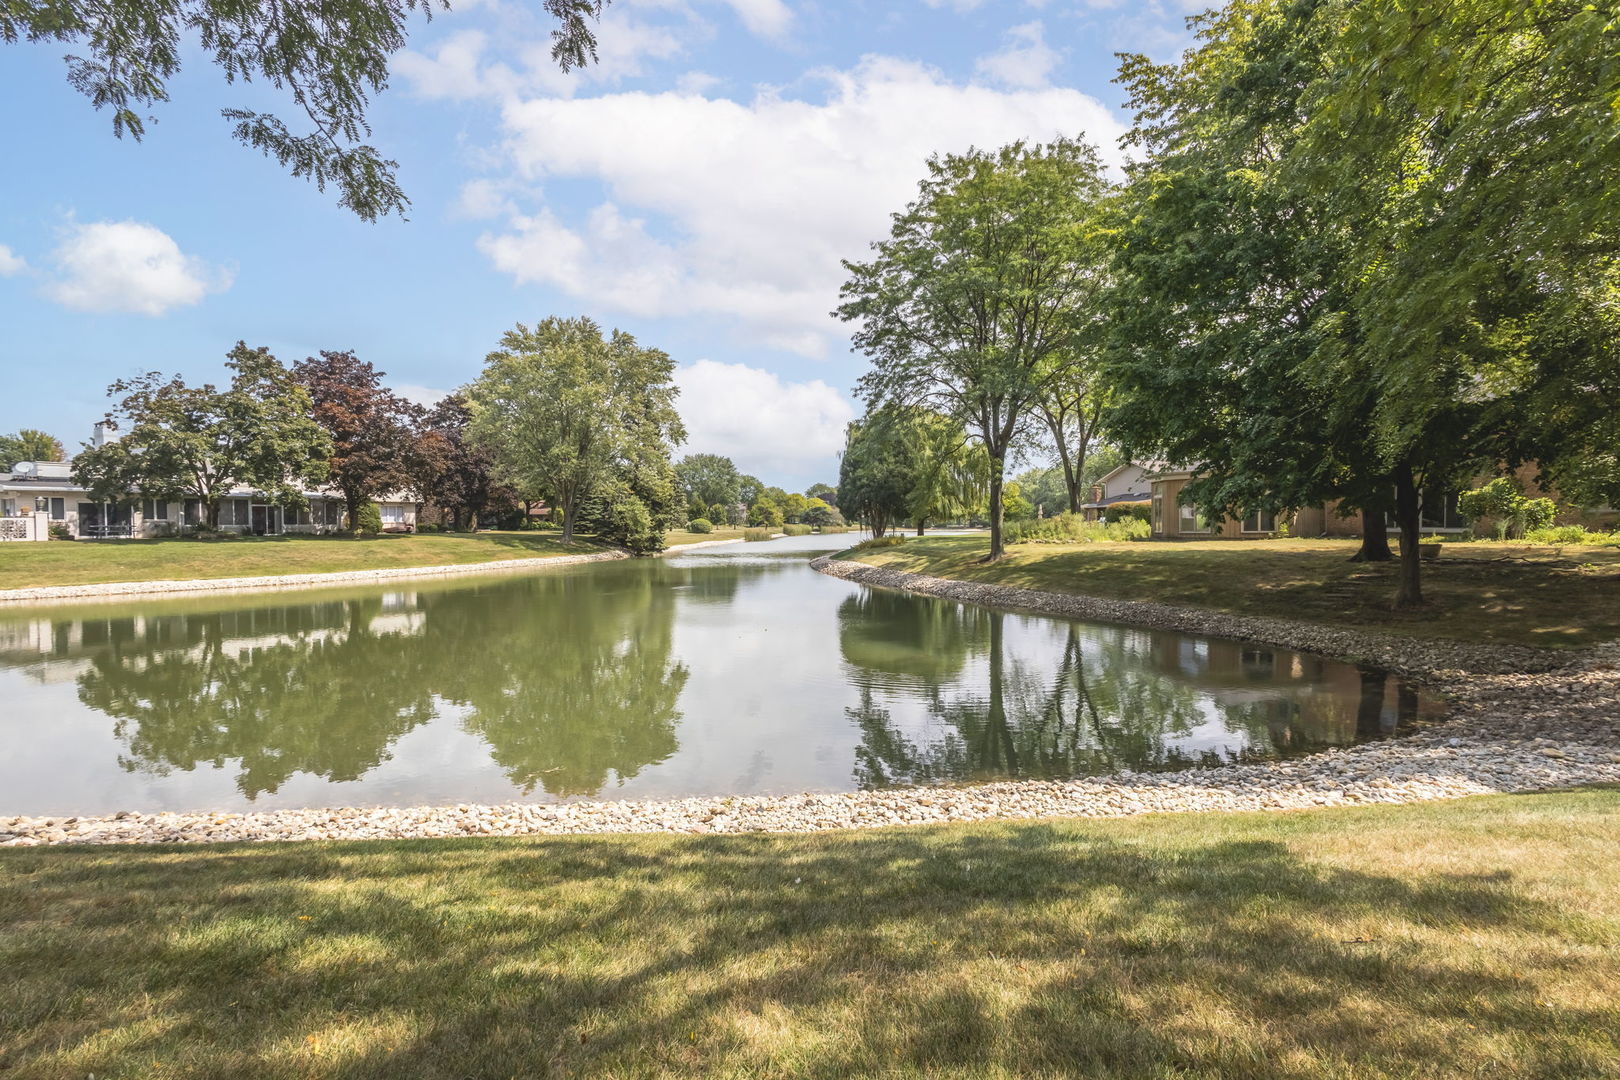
39,496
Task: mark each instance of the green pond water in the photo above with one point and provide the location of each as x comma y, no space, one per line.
730,670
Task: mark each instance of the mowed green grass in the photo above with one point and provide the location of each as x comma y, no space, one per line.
93,562
1475,592
1467,939
680,537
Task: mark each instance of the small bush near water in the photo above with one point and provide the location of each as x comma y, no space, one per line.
826,529
891,540
1070,528
758,534
797,530
700,525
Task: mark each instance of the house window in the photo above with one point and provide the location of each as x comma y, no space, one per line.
1261,521
393,514
58,509
1158,512
295,515
1438,510
1193,520
233,512
191,511
155,510
8,507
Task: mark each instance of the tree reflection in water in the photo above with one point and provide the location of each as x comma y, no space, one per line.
567,690
1085,700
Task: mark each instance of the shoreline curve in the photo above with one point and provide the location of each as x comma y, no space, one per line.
1507,731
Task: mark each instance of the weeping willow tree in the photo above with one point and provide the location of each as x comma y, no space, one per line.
911,465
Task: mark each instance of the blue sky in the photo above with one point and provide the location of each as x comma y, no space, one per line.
697,189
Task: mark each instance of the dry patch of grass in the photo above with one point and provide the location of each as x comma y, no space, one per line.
1477,592
1475,938
25,566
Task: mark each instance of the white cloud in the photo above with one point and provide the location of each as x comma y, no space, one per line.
10,262
767,18
1025,62
426,396
129,266
765,425
744,210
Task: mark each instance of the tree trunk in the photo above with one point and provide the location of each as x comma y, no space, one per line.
996,548
211,506
1071,472
1374,537
1410,593
568,519
351,506
920,526
1075,497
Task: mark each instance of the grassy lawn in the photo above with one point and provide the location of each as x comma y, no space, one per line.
1465,939
680,537
1476,592
88,562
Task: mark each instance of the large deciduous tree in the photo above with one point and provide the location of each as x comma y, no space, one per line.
709,480
910,465
975,304
1477,146
178,441
371,428
452,471
1229,275
571,415
329,56
30,444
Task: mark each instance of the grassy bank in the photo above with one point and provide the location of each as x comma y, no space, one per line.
92,562
1475,938
1476,592
680,537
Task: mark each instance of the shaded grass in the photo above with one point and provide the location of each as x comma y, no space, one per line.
1475,592
1465,939
93,562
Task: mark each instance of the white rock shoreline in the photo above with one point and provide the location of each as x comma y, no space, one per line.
1521,720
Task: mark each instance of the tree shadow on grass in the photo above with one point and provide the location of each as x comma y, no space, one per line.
1031,950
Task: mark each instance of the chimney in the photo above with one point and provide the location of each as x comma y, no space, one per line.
104,433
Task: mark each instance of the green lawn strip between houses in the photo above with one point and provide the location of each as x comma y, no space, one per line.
1476,592
92,562
1462,939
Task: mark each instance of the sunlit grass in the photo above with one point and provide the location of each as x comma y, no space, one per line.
681,537
94,561
1477,592
1466,939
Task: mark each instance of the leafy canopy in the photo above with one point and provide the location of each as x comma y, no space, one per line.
180,441
570,415
329,56
977,300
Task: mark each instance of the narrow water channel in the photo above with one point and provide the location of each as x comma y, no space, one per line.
728,670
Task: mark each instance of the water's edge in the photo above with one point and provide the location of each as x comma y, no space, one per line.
269,582
1421,658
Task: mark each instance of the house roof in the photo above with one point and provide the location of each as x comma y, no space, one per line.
1145,466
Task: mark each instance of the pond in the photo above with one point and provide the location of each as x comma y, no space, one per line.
728,670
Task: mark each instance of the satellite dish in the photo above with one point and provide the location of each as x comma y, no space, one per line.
24,468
